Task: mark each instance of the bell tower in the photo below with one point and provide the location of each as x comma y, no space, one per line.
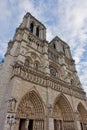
34,26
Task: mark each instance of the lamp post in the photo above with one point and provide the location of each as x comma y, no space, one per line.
11,112
11,119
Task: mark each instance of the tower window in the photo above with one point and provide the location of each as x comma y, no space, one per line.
31,27
36,66
64,49
54,46
37,31
26,62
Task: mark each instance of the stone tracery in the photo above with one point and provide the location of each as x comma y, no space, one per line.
61,108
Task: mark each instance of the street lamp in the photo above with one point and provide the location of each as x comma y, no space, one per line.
11,112
11,119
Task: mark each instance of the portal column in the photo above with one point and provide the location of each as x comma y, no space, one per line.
51,123
50,117
26,124
17,124
78,125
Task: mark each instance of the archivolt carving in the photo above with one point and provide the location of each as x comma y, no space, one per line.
63,113
82,116
63,105
57,112
30,106
82,112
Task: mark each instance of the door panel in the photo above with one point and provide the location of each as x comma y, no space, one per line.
30,125
22,124
57,124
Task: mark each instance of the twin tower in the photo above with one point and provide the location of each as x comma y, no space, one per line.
39,85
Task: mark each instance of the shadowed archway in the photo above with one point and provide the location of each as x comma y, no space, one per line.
82,115
63,114
30,111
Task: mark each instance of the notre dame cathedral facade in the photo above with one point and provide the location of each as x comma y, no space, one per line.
39,85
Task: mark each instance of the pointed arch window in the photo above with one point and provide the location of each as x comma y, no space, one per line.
64,49
31,27
54,46
37,31
36,66
27,62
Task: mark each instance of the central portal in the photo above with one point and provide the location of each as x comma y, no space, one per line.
30,111
31,124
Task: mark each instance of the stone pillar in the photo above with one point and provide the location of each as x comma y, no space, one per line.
16,125
34,31
45,125
77,122
28,22
51,123
26,124
44,34
46,63
40,35
69,53
6,125
78,125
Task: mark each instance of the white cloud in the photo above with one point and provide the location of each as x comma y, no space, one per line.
82,67
3,47
5,14
29,6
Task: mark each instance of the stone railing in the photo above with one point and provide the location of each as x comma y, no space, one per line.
40,78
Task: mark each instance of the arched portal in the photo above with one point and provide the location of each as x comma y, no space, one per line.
30,111
63,114
82,116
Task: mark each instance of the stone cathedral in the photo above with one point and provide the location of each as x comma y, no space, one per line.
39,85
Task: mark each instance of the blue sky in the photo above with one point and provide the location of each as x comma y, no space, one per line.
64,18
